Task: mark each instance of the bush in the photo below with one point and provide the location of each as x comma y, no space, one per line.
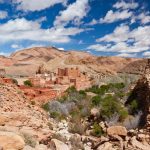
132,122
109,106
113,120
32,102
29,140
82,93
77,127
45,107
54,114
28,83
96,100
123,114
71,89
134,106
15,81
97,130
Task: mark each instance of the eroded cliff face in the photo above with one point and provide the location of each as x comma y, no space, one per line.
141,93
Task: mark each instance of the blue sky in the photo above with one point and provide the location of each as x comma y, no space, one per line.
100,27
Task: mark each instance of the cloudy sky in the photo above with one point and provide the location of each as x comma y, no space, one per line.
101,27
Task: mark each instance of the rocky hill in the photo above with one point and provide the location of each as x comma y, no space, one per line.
21,124
141,93
26,62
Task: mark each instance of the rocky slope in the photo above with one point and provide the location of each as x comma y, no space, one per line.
21,124
26,62
141,93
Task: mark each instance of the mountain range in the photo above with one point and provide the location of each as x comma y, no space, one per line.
25,62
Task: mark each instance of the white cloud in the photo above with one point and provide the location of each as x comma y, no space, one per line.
144,18
93,22
123,10
124,40
61,49
74,13
116,16
124,5
4,53
98,47
42,19
36,5
22,29
146,54
126,55
15,46
120,34
3,14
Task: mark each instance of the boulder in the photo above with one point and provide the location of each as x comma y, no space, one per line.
117,130
105,146
58,145
3,120
95,112
10,140
139,145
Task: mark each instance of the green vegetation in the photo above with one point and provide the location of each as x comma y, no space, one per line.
54,114
76,106
28,83
97,130
96,100
133,106
45,107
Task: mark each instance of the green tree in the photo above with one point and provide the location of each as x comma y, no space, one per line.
28,83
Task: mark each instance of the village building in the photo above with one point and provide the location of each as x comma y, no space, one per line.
65,78
48,85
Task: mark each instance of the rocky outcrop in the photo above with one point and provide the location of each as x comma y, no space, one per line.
141,93
10,140
117,130
21,123
58,145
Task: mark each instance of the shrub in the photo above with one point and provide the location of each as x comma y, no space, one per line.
28,83
96,100
134,106
97,130
15,81
109,106
132,122
45,107
83,93
55,114
71,89
63,109
123,114
32,102
29,140
76,143
77,127
113,120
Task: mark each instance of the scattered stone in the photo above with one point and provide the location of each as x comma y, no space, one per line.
105,146
117,130
95,112
58,145
139,145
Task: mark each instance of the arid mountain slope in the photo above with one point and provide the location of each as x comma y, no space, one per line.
26,62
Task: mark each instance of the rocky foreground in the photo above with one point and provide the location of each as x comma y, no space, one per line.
24,126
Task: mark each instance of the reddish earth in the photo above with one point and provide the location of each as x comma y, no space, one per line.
39,95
